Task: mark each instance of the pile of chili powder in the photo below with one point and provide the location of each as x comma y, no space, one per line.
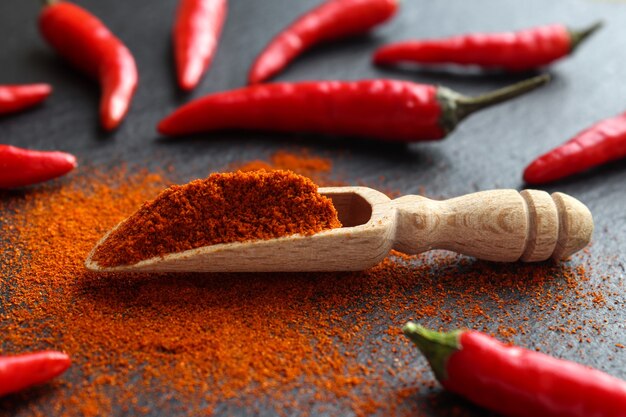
278,344
223,208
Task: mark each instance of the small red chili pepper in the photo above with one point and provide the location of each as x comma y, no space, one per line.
21,167
514,381
378,109
88,44
23,371
334,19
514,51
603,142
14,98
196,32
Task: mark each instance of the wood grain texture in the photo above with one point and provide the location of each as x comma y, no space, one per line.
575,226
498,225
543,223
490,225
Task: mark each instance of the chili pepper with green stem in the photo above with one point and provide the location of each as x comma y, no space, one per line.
15,98
334,19
23,371
21,167
89,45
513,51
389,110
517,382
601,143
196,33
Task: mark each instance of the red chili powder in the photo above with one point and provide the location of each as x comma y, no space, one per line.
223,208
301,162
271,344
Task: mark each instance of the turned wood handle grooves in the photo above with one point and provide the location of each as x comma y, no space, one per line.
499,225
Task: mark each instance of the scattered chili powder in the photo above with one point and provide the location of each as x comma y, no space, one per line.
301,162
272,344
223,208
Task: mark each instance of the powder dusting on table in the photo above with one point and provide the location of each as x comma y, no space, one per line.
281,344
223,208
301,162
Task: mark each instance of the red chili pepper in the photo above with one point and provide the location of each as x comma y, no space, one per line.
603,142
379,109
197,30
334,19
14,98
22,371
517,382
514,51
21,167
88,44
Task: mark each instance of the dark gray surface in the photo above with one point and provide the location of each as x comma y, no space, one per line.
489,150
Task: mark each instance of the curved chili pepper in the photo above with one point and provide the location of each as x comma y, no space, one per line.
21,167
514,51
14,98
378,109
601,143
88,44
514,381
196,32
23,371
334,19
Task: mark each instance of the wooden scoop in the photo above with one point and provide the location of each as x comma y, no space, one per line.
499,225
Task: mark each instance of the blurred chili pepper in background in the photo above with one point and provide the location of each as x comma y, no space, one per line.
23,371
514,381
21,167
88,44
513,51
379,109
15,98
601,143
196,33
334,19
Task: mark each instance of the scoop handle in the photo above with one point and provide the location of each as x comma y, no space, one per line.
498,225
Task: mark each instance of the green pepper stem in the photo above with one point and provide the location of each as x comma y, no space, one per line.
435,346
578,36
49,2
468,105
